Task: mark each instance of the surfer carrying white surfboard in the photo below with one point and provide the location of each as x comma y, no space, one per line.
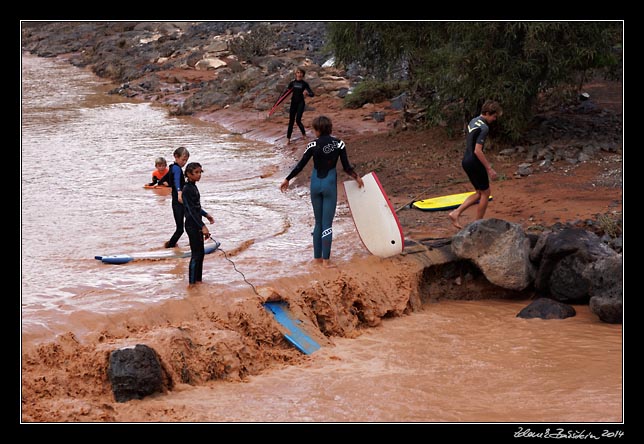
325,151
476,166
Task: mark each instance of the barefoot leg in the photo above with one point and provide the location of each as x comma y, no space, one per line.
471,200
454,218
327,264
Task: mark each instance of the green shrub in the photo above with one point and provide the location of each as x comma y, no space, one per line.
256,43
372,91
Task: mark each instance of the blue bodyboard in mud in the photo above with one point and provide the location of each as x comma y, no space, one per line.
294,334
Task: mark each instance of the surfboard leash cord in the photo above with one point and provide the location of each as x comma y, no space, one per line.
235,267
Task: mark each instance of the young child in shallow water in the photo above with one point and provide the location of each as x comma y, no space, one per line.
160,176
177,180
195,228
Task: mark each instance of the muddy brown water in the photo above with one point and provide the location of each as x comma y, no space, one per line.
85,156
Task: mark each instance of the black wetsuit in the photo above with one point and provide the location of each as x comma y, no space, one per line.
325,152
177,181
194,224
477,131
297,105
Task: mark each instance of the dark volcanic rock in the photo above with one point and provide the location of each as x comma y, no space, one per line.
545,308
135,372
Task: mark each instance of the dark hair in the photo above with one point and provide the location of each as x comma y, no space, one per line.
191,167
300,70
323,125
181,151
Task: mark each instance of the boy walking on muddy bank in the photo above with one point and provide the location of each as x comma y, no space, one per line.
476,166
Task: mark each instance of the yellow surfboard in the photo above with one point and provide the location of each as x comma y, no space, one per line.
442,202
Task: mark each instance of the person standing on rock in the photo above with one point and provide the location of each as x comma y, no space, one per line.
476,166
325,151
299,88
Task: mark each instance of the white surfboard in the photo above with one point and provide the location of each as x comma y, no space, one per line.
375,218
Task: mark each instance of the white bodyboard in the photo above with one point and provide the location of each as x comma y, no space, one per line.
374,217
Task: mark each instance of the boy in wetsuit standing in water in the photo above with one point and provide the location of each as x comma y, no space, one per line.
299,88
177,181
325,151
478,168
196,229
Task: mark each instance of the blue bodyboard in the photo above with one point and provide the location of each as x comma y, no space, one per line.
168,253
295,335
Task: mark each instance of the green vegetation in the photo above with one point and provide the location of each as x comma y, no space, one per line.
256,43
610,224
453,67
372,91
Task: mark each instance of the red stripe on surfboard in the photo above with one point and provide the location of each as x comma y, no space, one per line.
280,100
382,190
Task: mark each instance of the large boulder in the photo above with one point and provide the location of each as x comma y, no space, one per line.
545,308
500,249
606,288
564,258
135,372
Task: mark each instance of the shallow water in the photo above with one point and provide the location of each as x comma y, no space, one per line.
85,157
455,361
452,362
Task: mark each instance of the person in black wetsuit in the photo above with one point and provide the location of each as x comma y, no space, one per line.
299,88
195,228
475,164
325,151
181,156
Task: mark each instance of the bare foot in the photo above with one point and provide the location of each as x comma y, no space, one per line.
327,264
454,220
288,141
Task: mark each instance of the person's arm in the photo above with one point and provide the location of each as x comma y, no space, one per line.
204,228
478,152
189,203
165,179
308,153
176,178
348,168
207,216
308,89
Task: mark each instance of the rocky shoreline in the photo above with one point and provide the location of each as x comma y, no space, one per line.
178,64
